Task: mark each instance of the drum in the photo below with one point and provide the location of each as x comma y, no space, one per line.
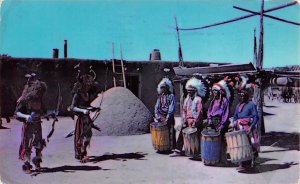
191,142
210,147
238,146
160,136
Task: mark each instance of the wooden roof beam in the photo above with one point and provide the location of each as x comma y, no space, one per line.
239,18
269,16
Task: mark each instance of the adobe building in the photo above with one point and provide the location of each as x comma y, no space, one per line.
142,77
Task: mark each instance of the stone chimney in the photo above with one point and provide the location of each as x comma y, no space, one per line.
55,53
155,55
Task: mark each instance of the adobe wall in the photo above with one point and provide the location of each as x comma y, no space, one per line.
54,71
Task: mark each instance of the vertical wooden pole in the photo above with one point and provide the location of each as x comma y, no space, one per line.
122,64
261,38
0,92
113,64
180,58
255,49
258,90
181,96
180,55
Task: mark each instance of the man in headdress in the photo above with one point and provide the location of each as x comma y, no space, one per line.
192,114
218,112
165,107
246,118
29,109
80,106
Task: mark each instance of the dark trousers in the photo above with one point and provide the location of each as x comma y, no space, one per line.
223,149
172,135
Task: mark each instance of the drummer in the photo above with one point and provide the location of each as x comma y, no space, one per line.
218,112
165,107
246,118
192,115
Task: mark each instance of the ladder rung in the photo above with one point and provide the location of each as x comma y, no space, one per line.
118,73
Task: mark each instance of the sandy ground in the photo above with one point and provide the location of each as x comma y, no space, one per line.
131,159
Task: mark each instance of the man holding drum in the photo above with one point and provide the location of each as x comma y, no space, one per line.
192,114
218,112
246,118
165,107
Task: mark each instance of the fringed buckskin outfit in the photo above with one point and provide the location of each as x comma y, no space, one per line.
29,109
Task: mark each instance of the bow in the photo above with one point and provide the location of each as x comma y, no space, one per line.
55,113
95,113
98,108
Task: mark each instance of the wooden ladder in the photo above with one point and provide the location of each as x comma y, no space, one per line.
118,69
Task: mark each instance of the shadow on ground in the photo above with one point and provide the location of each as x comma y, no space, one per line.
259,160
122,157
164,152
270,106
3,127
267,168
66,169
228,164
290,141
268,114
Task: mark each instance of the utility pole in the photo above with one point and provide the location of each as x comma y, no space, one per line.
258,89
180,56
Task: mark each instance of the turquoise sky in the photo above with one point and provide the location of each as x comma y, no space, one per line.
32,28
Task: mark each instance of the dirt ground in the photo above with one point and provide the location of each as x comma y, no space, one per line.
131,159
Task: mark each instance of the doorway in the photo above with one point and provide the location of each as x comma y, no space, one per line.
132,83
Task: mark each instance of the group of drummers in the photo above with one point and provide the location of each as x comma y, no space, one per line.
210,136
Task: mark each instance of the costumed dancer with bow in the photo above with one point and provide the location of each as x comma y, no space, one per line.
81,107
30,108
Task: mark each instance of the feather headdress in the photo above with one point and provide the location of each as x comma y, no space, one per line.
198,85
222,85
242,83
165,82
